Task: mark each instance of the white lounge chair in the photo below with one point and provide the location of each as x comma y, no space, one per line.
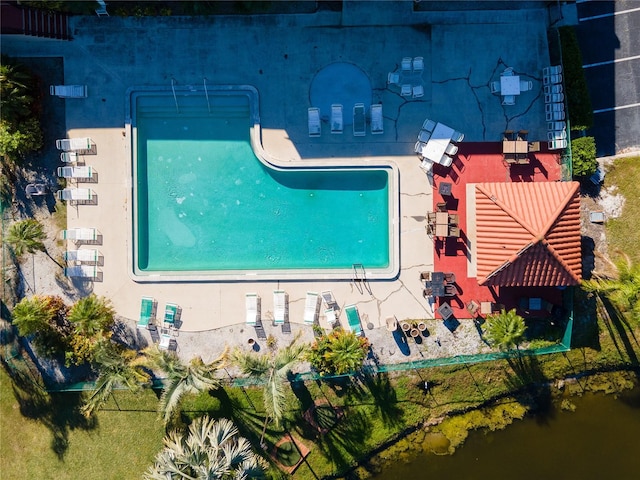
417,91
526,85
82,271
509,100
457,137
81,256
551,79
251,303
418,64
74,194
551,126
558,144
556,135
428,125
424,136
311,307
87,234
495,87
406,90
69,157
69,91
69,144
377,121
393,78
35,189
336,118
75,172
279,306
315,128
549,89
359,120
406,64
553,70
451,149
554,107
554,116
329,300
331,317
165,341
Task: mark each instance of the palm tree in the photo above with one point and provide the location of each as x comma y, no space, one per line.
117,366
211,449
623,290
181,379
271,368
338,352
506,329
33,315
92,316
44,317
26,236
15,85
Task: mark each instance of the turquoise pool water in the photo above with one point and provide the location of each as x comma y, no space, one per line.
205,202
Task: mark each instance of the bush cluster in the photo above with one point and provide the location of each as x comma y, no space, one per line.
583,152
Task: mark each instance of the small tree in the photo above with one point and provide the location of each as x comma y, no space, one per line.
45,319
26,236
210,450
182,379
583,151
338,352
92,319
506,329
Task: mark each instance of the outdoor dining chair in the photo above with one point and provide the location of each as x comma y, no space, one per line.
406,64
406,90
495,87
428,125
451,149
393,78
418,91
418,64
424,136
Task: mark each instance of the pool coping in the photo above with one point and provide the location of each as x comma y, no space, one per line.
391,272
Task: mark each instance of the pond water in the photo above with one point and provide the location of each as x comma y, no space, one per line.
598,440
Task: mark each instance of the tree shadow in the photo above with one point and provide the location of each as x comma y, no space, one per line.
531,386
384,397
348,436
620,331
59,412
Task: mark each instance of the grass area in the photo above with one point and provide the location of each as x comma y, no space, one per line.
622,233
45,436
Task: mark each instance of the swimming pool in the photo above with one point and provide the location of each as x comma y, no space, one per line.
206,206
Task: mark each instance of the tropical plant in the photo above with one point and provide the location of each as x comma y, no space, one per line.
18,140
92,319
338,352
505,329
26,236
16,85
583,153
44,317
623,290
271,368
117,366
181,379
211,449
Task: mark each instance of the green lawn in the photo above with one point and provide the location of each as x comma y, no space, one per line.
623,234
45,437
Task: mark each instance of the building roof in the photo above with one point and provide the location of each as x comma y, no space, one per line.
528,234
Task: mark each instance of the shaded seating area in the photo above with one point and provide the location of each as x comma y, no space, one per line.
315,127
147,312
443,224
377,122
359,120
336,118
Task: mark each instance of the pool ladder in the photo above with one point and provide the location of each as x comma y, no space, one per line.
360,278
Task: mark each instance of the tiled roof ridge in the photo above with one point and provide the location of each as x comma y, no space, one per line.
503,206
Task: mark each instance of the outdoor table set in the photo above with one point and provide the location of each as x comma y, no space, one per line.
515,147
437,144
510,86
439,284
409,78
443,224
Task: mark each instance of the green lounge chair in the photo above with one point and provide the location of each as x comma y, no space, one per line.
146,312
353,318
170,313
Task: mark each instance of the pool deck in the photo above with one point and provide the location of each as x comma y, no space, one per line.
279,56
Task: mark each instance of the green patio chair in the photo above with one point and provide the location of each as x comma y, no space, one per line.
353,319
147,308
170,313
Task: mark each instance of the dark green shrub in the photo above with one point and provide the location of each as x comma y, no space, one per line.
576,91
583,151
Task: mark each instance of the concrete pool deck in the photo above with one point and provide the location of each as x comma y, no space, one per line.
279,56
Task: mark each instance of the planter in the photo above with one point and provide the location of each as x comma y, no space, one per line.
250,342
414,332
422,326
405,326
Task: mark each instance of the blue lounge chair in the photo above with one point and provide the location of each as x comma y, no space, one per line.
147,308
353,319
170,313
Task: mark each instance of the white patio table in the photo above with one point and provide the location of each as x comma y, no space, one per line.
510,85
438,142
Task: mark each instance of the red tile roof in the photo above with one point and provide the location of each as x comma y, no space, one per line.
528,234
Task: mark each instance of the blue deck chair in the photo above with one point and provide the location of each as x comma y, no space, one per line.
353,319
170,312
146,312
